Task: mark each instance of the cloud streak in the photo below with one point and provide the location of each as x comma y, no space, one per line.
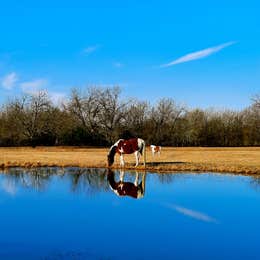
191,213
9,81
32,87
118,64
198,54
90,49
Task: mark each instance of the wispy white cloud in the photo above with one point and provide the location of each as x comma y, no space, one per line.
34,86
191,213
57,98
90,49
9,81
118,64
198,54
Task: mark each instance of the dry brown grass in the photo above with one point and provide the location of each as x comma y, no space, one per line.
237,160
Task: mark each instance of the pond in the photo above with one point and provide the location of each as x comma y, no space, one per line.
76,213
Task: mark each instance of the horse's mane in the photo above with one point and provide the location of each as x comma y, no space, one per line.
111,179
112,151
111,155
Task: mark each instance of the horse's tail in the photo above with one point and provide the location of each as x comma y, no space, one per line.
143,151
144,155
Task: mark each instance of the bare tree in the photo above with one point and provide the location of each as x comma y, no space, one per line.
251,119
196,121
256,101
112,112
86,108
163,118
29,114
135,119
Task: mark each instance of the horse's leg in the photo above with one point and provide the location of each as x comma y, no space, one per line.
144,154
136,179
137,156
122,162
159,151
122,173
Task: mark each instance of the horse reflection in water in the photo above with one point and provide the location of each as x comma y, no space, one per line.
122,188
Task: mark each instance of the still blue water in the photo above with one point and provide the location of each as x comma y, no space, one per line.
73,213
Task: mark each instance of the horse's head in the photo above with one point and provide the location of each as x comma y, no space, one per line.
111,156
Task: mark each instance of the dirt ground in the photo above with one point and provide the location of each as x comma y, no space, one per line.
245,160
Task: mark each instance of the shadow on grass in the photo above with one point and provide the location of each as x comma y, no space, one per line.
163,163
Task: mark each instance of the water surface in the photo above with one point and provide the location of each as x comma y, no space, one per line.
73,213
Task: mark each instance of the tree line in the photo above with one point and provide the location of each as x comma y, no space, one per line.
99,116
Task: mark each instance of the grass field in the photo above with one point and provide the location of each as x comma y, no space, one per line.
244,160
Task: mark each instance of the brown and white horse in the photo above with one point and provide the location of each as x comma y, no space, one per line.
122,188
133,145
155,149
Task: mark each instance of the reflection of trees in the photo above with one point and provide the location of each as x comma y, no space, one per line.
167,177
255,182
87,180
36,178
80,179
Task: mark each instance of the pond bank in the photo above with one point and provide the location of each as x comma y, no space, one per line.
242,160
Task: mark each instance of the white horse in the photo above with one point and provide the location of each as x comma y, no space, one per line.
155,149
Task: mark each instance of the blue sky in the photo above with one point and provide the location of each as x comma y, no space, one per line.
201,53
